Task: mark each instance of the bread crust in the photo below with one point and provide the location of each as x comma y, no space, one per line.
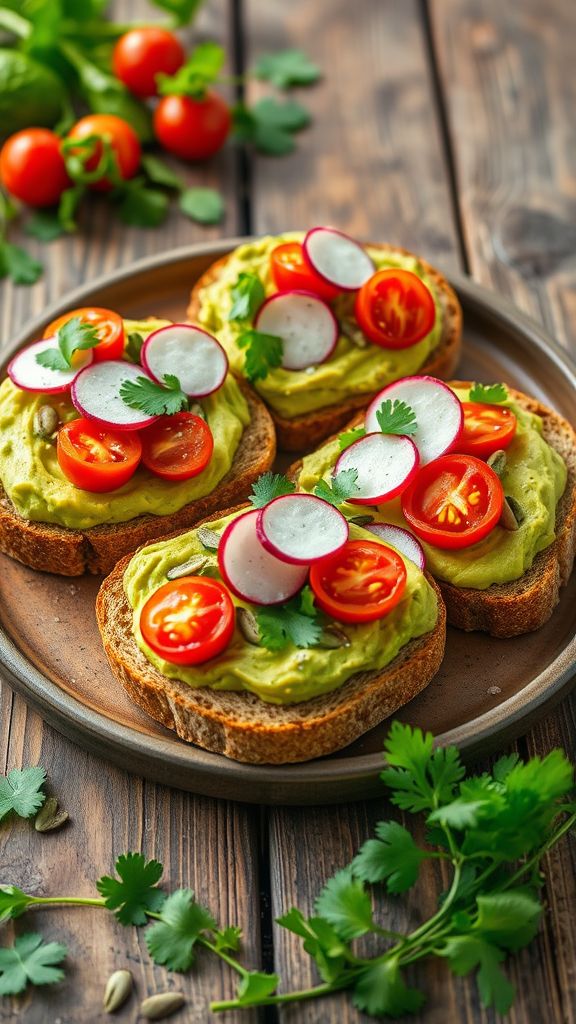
310,429
69,552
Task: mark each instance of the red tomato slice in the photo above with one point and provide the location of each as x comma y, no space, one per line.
96,458
487,428
290,272
361,582
188,621
454,501
177,447
395,309
109,325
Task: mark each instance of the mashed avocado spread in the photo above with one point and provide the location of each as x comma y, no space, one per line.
292,674
535,476
352,369
38,489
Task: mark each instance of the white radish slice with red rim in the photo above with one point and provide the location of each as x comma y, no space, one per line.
307,326
385,463
250,571
438,412
301,528
400,539
337,258
96,394
27,373
191,354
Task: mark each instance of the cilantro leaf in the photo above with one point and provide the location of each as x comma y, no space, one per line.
380,990
152,398
20,791
247,296
193,78
13,902
286,68
509,919
53,359
30,960
349,436
340,488
419,775
269,125
465,952
488,393
135,891
172,939
133,347
280,625
45,225
18,265
289,116
204,205
143,207
263,353
228,938
270,486
396,418
346,905
393,857
74,335
320,941
160,173
256,985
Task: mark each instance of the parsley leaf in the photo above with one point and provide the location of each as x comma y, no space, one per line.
396,418
488,393
18,265
293,622
172,939
320,941
20,791
380,990
340,488
135,891
269,125
13,902
509,919
270,486
465,952
247,296
204,205
193,78
349,436
286,68
419,776
393,857
45,225
263,353
346,905
30,960
152,398
75,335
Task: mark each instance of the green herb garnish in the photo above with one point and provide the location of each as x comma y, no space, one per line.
152,398
30,961
396,418
286,68
348,437
340,487
293,622
270,126
263,353
21,791
270,486
75,335
247,296
488,393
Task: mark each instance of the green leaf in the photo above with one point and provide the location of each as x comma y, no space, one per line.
320,941
45,225
203,205
464,953
393,857
228,939
247,296
69,201
13,902
396,418
16,264
288,116
183,11
200,70
53,359
340,487
21,791
269,486
380,990
269,125
143,207
489,393
503,766
30,960
350,436
286,68
152,398
280,625
306,602
346,905
263,353
160,173
419,776
135,891
133,347
172,939
255,986
509,919
74,335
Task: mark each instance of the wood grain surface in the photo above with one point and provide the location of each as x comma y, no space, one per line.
444,127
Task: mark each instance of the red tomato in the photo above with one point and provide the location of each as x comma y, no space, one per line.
142,54
32,167
123,139
395,309
290,272
454,501
487,428
177,447
97,458
361,582
192,129
110,328
188,621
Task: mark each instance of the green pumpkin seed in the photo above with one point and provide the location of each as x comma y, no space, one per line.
161,1005
332,637
248,625
497,461
45,422
49,817
117,991
208,538
193,565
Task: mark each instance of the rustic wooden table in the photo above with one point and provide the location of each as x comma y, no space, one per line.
446,127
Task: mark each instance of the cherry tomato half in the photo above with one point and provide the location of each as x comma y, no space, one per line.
143,53
122,138
192,129
109,325
32,167
395,309
487,428
361,582
290,272
188,621
177,447
454,501
96,458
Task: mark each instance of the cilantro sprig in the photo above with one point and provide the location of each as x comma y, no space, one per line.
263,353
247,296
396,417
21,791
348,437
152,398
269,486
74,336
488,393
339,488
295,622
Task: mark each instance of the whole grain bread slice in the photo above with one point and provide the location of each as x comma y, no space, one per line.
69,552
241,725
306,431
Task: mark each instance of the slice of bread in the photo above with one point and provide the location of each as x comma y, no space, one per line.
68,552
307,431
241,725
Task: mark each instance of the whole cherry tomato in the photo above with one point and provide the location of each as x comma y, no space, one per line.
189,620
395,309
143,53
192,129
109,325
122,138
290,272
97,458
32,167
361,582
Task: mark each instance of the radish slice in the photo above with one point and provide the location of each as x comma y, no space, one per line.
307,326
400,539
193,355
437,409
386,463
301,528
96,394
252,572
28,374
337,258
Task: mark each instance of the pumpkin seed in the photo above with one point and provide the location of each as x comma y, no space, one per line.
208,538
248,625
117,991
332,636
188,568
512,513
497,461
361,520
49,817
161,1005
45,422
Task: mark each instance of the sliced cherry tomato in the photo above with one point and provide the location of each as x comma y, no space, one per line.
32,167
487,428
192,129
188,621
177,447
290,272
109,325
123,140
143,53
395,309
96,458
361,582
454,501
